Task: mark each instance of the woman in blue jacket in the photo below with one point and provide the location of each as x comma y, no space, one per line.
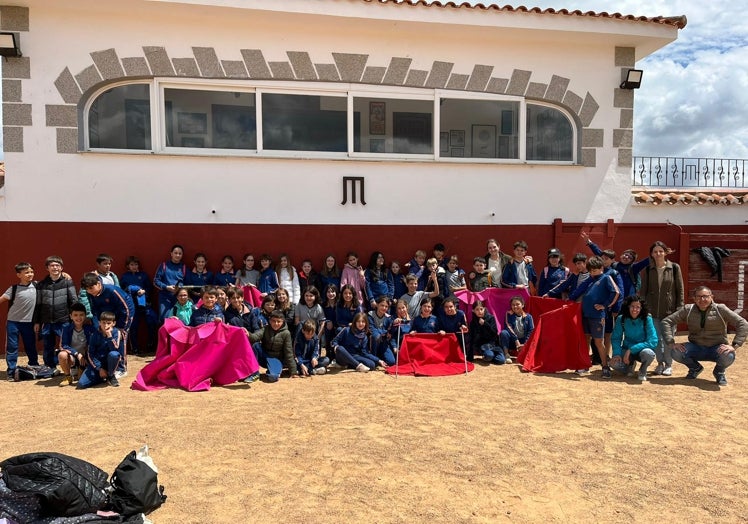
634,338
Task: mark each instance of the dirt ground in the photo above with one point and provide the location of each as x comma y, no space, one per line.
497,445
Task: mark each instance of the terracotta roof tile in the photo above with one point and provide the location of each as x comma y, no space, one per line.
676,21
698,196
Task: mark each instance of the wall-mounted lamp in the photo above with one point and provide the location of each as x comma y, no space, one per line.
9,45
633,79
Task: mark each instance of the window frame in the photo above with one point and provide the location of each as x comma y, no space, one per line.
347,91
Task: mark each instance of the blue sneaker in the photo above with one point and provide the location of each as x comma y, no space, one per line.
252,378
694,372
606,372
720,378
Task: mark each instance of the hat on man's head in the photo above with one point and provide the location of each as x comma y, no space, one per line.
554,251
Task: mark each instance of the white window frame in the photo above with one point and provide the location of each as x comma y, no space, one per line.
328,89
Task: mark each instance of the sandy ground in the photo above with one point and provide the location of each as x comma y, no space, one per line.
497,445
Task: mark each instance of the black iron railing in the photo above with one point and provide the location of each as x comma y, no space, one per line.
664,171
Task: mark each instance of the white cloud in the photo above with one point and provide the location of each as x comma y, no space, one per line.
694,95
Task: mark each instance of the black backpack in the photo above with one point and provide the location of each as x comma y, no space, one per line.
34,372
135,488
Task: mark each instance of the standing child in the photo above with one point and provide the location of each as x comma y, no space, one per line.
553,274
480,279
105,352
353,275
417,266
169,276
379,281
330,274
199,277
414,297
288,279
22,301
307,351
484,336
398,282
226,277
570,284
55,295
137,283
247,275
268,282
73,352
104,272
520,273
434,274
330,309
307,277
454,277
599,293
348,307
285,306
518,326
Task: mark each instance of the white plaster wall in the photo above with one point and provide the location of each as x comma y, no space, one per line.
42,185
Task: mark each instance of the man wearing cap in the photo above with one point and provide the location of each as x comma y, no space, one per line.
707,335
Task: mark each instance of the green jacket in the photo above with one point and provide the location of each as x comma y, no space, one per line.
276,344
714,332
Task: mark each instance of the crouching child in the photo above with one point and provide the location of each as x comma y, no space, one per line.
74,341
306,349
273,348
105,351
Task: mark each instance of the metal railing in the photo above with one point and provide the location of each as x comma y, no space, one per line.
664,171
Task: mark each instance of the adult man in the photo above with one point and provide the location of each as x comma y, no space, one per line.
707,335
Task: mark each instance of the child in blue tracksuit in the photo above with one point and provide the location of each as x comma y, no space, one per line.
452,320
379,280
518,326
484,336
307,353
575,279
268,282
599,294
519,273
105,351
208,311
552,274
170,275
137,283
400,325
380,322
353,346
425,322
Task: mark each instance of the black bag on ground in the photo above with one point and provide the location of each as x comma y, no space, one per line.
136,488
33,372
66,486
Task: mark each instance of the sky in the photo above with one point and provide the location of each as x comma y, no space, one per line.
693,101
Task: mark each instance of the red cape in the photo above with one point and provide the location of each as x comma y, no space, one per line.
430,355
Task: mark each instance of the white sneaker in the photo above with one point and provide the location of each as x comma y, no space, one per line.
507,359
642,377
667,371
582,371
319,371
335,365
120,374
362,369
660,368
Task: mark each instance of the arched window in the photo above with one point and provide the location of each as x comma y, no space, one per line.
296,119
550,135
120,118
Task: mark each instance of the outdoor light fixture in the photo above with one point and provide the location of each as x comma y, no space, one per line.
633,79
9,45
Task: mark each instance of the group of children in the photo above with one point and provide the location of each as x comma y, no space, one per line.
350,317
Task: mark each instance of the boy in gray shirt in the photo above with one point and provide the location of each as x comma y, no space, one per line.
22,301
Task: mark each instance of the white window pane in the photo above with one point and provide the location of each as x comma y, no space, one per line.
390,125
479,128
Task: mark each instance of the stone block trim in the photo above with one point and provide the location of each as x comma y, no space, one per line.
67,140
416,78
207,61
17,67
17,114
302,65
623,138
623,98
593,137
14,18
108,64
625,157
589,157
12,139
627,119
536,90
234,68
12,91
62,116
346,67
625,57
186,67
350,66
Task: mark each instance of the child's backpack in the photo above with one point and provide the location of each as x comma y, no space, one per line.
14,290
34,372
135,487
